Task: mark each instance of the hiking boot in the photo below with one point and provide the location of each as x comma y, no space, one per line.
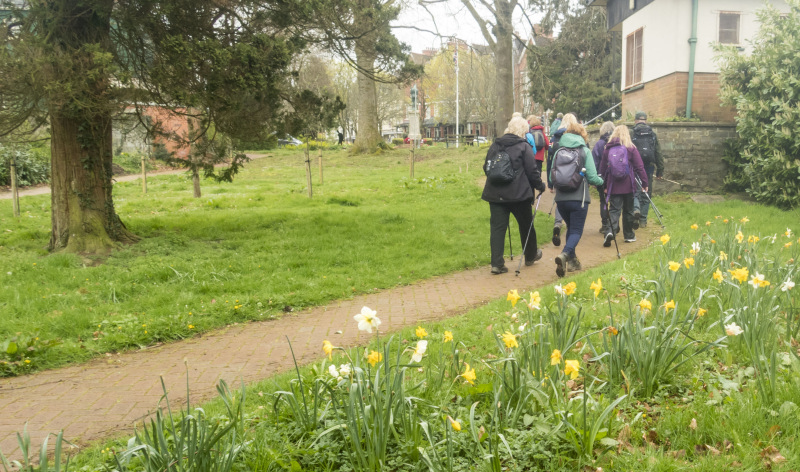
538,256
574,265
499,270
642,224
630,240
556,235
604,230
609,238
561,264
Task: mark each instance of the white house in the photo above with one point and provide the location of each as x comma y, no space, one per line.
668,44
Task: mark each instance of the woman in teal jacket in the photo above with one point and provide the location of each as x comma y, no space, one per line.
574,204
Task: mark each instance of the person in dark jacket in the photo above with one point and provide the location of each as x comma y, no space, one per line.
515,197
646,142
620,191
597,153
574,204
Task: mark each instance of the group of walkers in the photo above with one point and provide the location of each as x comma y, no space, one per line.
621,166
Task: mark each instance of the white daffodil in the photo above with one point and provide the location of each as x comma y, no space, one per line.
419,351
522,327
757,280
332,370
696,247
560,290
367,320
344,370
788,233
733,329
786,286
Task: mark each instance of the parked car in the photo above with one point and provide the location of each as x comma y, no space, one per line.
481,140
289,139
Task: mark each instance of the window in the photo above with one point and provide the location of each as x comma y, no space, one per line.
633,60
729,27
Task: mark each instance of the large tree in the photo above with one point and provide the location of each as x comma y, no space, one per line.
73,64
576,72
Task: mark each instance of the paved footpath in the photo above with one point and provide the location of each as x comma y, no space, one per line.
105,397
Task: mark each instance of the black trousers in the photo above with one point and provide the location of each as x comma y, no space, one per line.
622,204
499,215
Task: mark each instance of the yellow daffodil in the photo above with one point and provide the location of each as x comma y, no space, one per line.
740,274
744,220
788,245
708,223
572,368
510,340
374,357
701,312
327,348
752,239
455,424
664,239
688,262
674,266
469,374
717,276
420,332
670,305
739,237
569,289
645,304
448,336
694,226
555,357
596,286
613,330
513,297
536,301
725,221
723,256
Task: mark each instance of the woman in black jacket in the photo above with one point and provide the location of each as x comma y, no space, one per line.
514,197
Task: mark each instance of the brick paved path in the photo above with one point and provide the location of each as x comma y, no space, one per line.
106,396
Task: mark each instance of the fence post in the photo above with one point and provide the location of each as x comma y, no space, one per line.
411,167
308,171
14,189
144,175
320,166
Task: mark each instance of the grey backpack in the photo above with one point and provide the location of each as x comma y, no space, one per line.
567,174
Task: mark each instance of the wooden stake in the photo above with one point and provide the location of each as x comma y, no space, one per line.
308,172
411,170
144,175
14,189
320,166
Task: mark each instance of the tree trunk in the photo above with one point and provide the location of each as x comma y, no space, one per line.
82,211
368,135
196,182
504,65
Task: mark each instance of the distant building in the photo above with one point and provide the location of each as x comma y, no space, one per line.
656,47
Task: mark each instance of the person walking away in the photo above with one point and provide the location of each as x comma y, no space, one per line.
572,172
537,138
556,125
568,119
619,165
514,196
646,142
597,153
341,137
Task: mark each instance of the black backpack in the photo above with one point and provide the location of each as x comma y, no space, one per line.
645,141
567,174
498,169
538,138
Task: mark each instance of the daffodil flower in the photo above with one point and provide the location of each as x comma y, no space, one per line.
723,256
510,340
597,287
555,357
513,297
536,301
613,330
419,351
688,262
367,320
559,290
674,266
670,305
744,220
786,286
468,374
733,329
717,276
569,289
645,304
420,332
448,336
664,239
374,357
327,348
571,368
740,274
694,226
701,312
332,370
454,424
788,233
344,370
739,237
757,281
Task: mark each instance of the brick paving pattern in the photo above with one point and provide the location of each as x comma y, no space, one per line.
105,397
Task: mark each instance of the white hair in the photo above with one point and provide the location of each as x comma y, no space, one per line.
517,126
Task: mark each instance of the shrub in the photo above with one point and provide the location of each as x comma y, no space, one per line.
33,164
764,86
397,141
313,145
132,163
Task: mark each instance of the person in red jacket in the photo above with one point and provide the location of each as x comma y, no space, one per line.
539,136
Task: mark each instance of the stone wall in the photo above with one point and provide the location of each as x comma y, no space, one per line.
692,154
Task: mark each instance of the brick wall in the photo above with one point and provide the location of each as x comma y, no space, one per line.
666,97
692,154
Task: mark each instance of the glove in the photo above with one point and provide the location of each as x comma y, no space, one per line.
541,187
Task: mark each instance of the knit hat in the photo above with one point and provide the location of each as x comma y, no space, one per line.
640,115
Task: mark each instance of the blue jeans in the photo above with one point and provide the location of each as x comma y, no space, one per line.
642,203
574,214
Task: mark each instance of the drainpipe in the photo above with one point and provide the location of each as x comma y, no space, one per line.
692,50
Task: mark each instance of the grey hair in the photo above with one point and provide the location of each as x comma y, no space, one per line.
560,115
517,126
606,128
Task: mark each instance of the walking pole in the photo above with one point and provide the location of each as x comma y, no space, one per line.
525,247
510,247
604,204
655,208
670,181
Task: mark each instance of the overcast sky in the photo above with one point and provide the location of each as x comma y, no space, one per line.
452,18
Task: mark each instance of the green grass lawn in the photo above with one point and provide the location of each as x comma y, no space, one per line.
246,250
718,411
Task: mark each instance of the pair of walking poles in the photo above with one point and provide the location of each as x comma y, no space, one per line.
525,246
641,192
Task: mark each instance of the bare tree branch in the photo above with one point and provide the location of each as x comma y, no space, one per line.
481,23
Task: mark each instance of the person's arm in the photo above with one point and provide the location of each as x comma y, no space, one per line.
591,171
638,166
531,141
604,162
659,157
546,141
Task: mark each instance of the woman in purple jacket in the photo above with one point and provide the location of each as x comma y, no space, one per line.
620,161
597,153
